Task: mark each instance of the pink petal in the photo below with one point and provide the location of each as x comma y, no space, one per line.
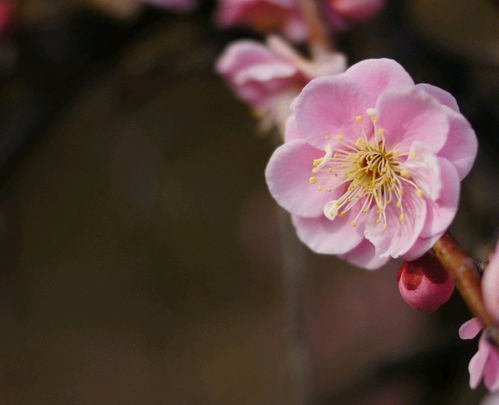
443,97
420,247
327,107
461,146
470,329
424,168
328,237
364,256
409,115
490,285
288,173
399,236
291,132
491,374
241,54
440,213
379,75
478,362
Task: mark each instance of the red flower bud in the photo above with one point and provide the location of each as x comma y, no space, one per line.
424,284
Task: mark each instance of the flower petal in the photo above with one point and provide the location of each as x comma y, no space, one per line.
420,247
443,97
491,374
440,213
424,168
328,237
478,362
490,285
379,75
470,329
291,132
364,255
399,236
409,115
327,107
288,176
461,146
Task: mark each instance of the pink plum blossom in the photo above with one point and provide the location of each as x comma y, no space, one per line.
176,5
344,12
263,16
490,285
485,363
269,77
372,164
424,284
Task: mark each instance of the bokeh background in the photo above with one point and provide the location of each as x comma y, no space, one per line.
142,260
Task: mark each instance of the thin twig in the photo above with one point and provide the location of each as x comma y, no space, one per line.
319,41
463,269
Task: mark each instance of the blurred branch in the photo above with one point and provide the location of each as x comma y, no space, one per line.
317,34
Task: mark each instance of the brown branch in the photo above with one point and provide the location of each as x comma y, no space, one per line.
317,33
463,269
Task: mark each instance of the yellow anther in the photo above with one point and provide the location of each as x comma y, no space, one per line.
359,142
330,169
374,118
354,224
380,132
359,118
312,180
385,226
395,153
399,204
402,217
340,137
420,192
365,211
317,162
315,170
413,155
319,188
329,189
405,173
342,213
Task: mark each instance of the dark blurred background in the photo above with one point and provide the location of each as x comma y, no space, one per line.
140,252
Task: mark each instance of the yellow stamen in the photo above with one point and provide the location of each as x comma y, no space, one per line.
312,180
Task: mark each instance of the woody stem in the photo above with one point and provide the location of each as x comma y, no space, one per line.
463,269
319,42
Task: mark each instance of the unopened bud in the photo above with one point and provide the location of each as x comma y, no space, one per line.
424,284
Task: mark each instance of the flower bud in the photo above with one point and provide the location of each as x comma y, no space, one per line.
424,284
490,285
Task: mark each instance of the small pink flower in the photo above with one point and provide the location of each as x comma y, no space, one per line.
490,285
344,12
264,16
424,284
269,77
176,5
485,363
372,164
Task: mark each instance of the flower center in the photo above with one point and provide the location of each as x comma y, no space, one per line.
374,177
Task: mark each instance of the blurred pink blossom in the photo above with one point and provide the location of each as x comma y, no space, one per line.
490,285
424,284
372,164
263,16
176,5
485,363
268,77
345,12
6,13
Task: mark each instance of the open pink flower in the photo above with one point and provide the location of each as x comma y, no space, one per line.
424,283
176,5
269,77
490,285
485,363
345,12
372,164
264,16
